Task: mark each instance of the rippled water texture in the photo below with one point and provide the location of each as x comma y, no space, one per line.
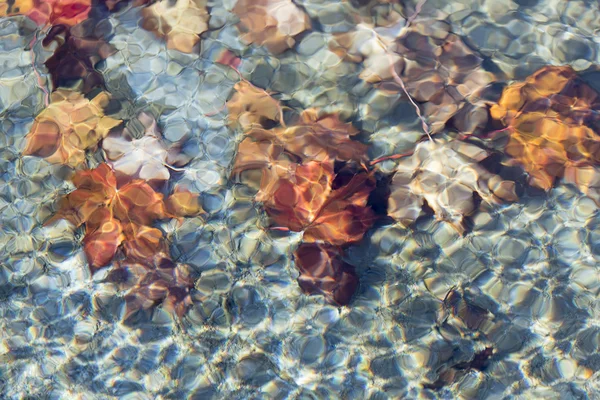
299,199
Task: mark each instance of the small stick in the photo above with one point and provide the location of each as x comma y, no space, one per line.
398,80
279,228
392,157
418,9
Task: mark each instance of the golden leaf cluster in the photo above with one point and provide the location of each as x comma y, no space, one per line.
549,118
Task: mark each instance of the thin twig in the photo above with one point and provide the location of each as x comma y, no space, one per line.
392,157
398,80
395,75
418,9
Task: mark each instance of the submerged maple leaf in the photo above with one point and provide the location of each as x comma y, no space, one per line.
75,58
315,138
119,216
180,22
434,66
313,180
147,158
69,126
145,287
52,12
323,272
113,216
298,185
551,119
271,23
446,175
325,206
250,107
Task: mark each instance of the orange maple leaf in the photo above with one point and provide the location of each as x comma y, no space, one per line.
306,200
551,119
120,216
69,126
316,137
53,12
297,177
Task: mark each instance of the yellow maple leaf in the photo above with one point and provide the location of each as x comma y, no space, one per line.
180,22
551,117
69,126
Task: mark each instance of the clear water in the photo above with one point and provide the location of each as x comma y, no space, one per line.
500,304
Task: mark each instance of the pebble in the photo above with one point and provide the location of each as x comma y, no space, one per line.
533,260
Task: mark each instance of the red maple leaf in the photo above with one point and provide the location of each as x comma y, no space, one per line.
322,271
119,216
307,200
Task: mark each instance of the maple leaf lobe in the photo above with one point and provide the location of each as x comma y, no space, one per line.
70,125
551,118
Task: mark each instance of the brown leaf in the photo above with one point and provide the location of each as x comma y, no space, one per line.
76,57
316,138
323,272
184,204
69,126
252,107
550,118
446,174
437,69
180,22
297,177
271,23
